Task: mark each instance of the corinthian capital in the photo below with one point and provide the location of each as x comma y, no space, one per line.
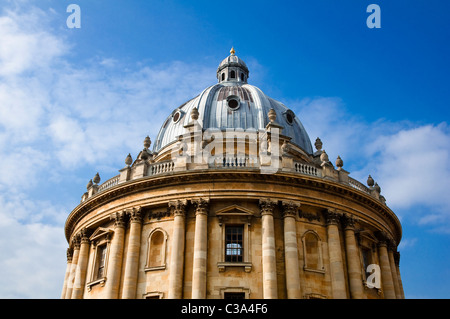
201,205
290,208
83,235
267,205
119,218
332,217
178,207
135,215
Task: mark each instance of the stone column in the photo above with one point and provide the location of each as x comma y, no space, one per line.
66,277
80,273
200,249
269,266
386,273
393,270
335,254
73,267
291,250
132,259
353,260
115,258
397,267
178,209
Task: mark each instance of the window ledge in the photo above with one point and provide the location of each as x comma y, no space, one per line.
222,265
100,282
155,268
320,271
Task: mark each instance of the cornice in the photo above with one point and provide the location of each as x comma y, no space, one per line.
208,176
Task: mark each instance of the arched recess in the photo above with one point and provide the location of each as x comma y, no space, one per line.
156,252
312,252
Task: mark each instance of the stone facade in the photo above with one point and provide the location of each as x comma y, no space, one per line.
177,227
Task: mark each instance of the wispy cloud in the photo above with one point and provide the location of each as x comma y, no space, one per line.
57,117
407,160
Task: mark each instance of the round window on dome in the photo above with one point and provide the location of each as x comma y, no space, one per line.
289,115
233,102
176,117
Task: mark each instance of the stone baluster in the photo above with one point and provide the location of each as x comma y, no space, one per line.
335,254
269,265
291,250
200,249
132,258
178,209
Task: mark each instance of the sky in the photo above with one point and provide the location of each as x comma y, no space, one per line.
76,101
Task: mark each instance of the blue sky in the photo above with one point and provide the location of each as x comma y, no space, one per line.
74,102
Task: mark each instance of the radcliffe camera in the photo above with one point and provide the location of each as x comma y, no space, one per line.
232,201
217,159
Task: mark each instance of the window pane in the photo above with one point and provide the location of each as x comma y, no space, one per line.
234,243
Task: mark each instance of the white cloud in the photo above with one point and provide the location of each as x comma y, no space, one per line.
22,46
56,118
407,160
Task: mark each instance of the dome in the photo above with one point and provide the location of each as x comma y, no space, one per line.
233,104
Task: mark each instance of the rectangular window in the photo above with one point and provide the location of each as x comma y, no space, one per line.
234,241
101,261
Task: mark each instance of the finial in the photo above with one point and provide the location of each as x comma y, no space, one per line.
339,162
370,181
318,144
128,160
232,52
324,157
272,115
194,114
147,142
89,184
96,178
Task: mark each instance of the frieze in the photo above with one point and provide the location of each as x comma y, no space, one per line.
144,184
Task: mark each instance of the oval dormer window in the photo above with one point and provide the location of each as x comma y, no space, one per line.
176,117
289,115
233,102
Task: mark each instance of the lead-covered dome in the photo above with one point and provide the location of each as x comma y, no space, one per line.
232,104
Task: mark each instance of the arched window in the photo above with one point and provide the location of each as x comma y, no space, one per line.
312,252
223,76
156,250
232,74
242,77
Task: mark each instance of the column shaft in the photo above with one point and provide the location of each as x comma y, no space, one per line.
291,258
269,266
335,254
353,263
200,251
66,277
80,274
394,274
386,273
73,268
177,251
115,257
291,251
132,259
